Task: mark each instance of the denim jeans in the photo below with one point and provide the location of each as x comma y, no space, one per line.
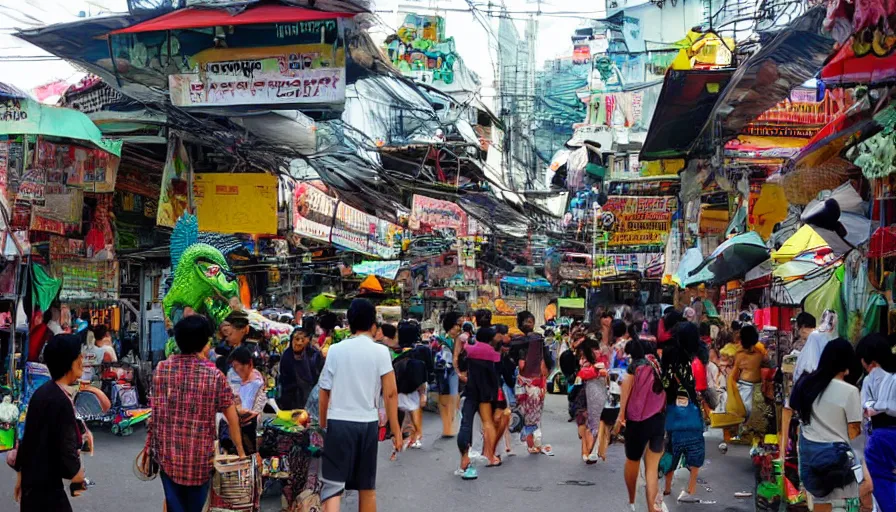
184,498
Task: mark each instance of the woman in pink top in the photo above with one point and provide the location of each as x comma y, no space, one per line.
642,411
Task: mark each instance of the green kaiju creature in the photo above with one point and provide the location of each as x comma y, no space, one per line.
202,280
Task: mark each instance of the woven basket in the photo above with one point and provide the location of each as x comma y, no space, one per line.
235,483
803,184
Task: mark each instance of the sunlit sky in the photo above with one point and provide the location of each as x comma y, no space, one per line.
471,38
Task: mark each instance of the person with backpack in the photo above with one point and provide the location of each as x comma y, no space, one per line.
684,419
642,411
446,374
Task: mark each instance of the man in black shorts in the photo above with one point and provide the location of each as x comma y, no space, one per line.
357,369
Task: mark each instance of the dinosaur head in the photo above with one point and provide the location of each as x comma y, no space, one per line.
202,273
209,271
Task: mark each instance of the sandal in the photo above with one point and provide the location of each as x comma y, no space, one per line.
546,449
494,464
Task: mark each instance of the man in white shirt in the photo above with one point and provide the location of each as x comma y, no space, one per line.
53,325
356,371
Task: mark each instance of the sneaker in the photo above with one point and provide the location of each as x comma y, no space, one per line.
592,458
686,497
459,472
416,445
470,473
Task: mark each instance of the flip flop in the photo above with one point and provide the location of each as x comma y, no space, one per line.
546,449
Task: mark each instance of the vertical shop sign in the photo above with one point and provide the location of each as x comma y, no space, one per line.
174,196
351,228
313,212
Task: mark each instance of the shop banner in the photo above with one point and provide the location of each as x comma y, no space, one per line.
640,221
278,75
313,212
236,203
66,248
385,239
174,195
384,269
351,228
428,214
87,280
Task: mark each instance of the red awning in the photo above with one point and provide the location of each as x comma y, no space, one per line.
194,17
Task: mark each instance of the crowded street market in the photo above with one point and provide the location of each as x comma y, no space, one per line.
320,255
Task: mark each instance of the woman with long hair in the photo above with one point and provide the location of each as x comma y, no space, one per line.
684,421
642,411
830,417
879,402
595,379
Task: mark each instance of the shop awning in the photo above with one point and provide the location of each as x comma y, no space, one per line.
683,108
194,17
846,68
33,118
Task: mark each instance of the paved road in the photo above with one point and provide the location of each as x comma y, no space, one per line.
423,479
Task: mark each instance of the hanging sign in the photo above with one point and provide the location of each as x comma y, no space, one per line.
174,196
384,269
236,203
351,228
313,212
385,239
428,214
278,75
639,221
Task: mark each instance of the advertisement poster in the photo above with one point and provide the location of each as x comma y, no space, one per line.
66,248
33,186
428,214
92,169
313,214
351,228
640,221
277,75
174,195
236,203
385,239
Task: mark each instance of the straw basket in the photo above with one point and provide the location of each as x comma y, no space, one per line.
236,484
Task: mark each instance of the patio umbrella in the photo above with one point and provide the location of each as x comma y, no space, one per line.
805,239
793,281
883,243
838,216
692,259
731,260
25,116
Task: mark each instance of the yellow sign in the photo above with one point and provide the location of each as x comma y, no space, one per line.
236,203
641,220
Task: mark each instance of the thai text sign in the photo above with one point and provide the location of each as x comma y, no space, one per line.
351,228
313,212
277,75
84,279
641,220
428,213
236,203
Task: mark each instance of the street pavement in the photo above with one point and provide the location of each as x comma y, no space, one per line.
423,480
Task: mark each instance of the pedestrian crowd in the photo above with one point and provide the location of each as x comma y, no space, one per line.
652,386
